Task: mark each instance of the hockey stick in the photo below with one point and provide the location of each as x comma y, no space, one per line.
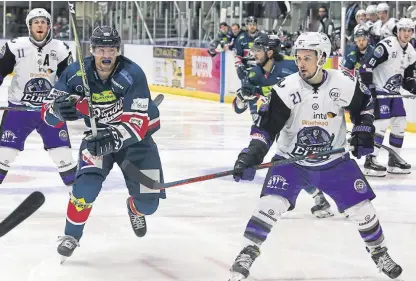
22,212
396,96
38,109
158,100
138,176
80,57
388,149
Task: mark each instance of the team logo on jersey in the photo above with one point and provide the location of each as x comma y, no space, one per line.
8,136
35,91
335,94
394,83
103,97
107,113
53,55
360,186
277,182
2,51
312,140
63,135
379,52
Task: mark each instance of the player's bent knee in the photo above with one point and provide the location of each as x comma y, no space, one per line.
88,186
363,213
67,166
146,205
271,207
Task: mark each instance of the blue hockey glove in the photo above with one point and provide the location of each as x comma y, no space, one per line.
243,167
106,142
362,140
64,107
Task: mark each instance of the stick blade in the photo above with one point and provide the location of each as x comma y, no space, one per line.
158,99
138,176
30,205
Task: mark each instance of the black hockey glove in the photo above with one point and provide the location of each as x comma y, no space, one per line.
106,142
248,92
241,72
64,107
243,167
362,140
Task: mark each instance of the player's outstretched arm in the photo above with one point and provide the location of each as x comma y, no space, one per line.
263,133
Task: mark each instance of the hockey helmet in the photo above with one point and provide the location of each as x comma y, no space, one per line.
37,13
316,41
361,32
403,23
372,9
266,42
383,7
251,19
359,13
105,36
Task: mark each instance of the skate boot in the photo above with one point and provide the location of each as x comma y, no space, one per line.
322,208
241,268
397,167
67,246
138,222
385,263
372,168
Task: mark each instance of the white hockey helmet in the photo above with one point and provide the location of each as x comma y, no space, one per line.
372,9
404,23
383,7
37,13
359,13
316,41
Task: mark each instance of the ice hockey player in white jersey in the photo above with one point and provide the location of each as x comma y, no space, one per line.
37,61
307,109
384,26
388,71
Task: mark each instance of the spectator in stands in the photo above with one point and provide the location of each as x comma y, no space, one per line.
325,24
11,26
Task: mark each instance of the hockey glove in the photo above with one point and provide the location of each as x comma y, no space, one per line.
243,167
106,142
362,140
241,72
64,107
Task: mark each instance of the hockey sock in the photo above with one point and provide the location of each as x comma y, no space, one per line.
271,207
381,126
398,125
143,206
369,226
77,214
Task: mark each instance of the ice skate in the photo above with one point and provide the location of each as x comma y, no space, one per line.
397,167
241,268
372,168
67,246
385,263
322,208
138,222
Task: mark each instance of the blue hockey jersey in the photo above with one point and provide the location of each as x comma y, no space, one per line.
122,101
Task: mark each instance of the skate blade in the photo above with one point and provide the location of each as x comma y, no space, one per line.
236,276
63,259
372,173
398,171
322,214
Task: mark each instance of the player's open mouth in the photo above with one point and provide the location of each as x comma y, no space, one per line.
106,61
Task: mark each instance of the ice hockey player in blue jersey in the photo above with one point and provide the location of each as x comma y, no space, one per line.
360,52
257,86
126,117
243,59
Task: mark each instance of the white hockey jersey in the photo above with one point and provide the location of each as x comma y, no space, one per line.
35,69
384,30
388,75
317,122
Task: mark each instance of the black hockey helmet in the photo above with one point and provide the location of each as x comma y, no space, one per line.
361,32
105,36
267,43
251,19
